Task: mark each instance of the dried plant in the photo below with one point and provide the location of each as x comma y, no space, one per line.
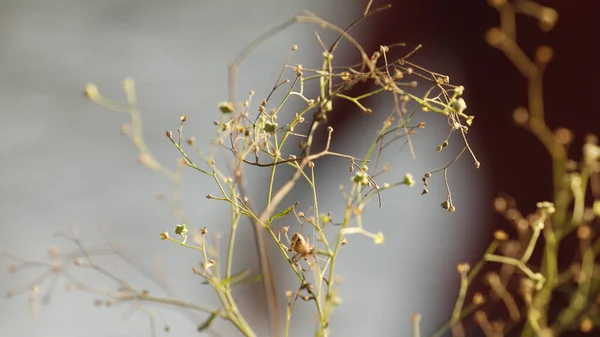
521,287
255,135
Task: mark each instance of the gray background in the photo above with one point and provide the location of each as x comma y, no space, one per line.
64,164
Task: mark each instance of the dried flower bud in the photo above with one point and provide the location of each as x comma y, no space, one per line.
416,317
226,107
91,91
181,229
408,180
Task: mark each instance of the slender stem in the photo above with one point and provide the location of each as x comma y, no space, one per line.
532,242
460,300
171,301
235,219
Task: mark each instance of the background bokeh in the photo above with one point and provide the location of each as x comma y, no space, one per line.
64,163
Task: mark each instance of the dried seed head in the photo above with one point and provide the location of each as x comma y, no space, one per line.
586,325
500,235
469,120
478,298
584,232
494,37
492,278
398,74
463,268
207,265
500,204
496,3
548,17
563,135
521,116
301,246
544,54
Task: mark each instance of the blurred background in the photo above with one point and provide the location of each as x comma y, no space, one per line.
65,164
